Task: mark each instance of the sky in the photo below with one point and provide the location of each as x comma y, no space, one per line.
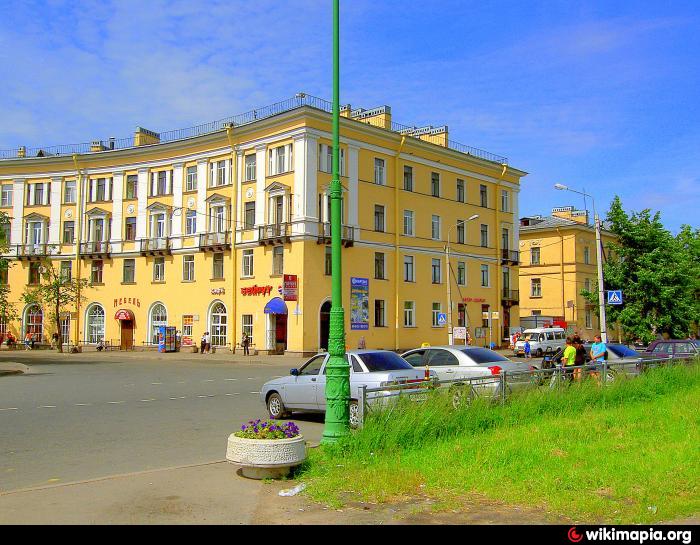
602,96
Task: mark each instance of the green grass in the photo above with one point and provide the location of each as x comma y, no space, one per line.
627,453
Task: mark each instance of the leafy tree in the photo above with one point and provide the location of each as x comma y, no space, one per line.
658,273
55,292
8,311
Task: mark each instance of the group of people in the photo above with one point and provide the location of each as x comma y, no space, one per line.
575,355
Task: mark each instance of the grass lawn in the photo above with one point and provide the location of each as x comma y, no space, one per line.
626,453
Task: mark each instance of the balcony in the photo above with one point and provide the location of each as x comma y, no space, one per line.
510,297
347,236
95,250
156,246
510,256
276,233
214,242
36,251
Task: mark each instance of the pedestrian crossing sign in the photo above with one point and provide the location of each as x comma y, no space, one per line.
615,297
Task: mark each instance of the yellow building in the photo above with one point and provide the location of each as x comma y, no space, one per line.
558,260
196,229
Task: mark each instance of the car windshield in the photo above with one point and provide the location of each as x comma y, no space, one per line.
621,351
483,355
384,361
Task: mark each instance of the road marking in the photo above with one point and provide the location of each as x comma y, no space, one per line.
208,380
115,402
230,379
156,383
182,382
88,404
54,480
47,407
147,400
254,392
10,409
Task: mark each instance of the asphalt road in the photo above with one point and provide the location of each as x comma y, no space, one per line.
76,421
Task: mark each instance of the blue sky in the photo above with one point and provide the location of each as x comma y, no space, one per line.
597,95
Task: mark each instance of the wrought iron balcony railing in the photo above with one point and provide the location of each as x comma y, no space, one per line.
510,295
159,245
95,248
347,236
274,233
215,240
512,256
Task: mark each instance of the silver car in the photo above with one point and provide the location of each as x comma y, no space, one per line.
471,362
305,388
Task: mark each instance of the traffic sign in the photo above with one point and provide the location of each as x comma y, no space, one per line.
442,318
614,297
459,332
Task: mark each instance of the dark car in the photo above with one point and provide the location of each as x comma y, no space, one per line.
674,348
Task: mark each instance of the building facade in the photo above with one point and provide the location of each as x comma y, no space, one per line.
197,229
557,260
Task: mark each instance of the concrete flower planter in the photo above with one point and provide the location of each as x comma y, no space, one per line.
266,458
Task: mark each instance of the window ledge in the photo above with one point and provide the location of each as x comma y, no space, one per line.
410,327
188,281
247,278
217,279
96,284
158,282
128,283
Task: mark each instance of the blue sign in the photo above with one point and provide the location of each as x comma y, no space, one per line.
359,303
442,318
614,297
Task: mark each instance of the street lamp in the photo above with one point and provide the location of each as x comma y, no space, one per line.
449,277
599,257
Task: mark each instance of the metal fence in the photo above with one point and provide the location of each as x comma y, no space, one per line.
498,388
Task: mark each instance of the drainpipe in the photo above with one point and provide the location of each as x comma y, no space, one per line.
397,312
561,272
79,231
234,225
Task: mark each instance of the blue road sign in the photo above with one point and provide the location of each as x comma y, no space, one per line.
614,297
442,318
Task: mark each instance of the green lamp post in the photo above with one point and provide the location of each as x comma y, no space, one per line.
337,370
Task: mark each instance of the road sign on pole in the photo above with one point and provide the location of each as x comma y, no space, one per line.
614,297
442,319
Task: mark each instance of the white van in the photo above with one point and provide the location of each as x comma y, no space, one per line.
541,340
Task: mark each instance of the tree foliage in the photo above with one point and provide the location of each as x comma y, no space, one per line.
659,274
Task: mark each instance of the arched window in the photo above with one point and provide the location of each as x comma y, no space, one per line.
95,324
159,317
34,322
218,324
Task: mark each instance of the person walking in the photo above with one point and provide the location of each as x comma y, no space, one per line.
54,340
28,341
580,359
527,349
245,343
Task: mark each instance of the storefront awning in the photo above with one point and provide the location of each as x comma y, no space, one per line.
124,314
276,306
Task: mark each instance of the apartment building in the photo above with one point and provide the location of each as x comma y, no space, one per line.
225,228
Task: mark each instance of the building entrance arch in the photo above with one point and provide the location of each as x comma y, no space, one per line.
324,325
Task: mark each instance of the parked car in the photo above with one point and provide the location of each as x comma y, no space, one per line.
470,362
305,388
542,339
675,348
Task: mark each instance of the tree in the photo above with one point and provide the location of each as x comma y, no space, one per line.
55,292
658,273
8,311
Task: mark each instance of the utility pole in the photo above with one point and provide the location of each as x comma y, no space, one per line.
450,334
337,423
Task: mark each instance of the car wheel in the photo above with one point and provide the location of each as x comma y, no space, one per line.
461,395
354,414
275,406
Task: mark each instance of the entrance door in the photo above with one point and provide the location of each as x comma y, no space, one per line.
281,332
325,323
127,335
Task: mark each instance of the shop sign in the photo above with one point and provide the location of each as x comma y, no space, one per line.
257,290
474,300
291,287
218,291
459,333
127,301
359,303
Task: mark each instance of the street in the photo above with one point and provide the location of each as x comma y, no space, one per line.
87,416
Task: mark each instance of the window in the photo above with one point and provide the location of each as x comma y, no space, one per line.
589,319
379,266
379,218
162,183
188,268
68,232
408,178
534,256
485,321
484,235
278,260
96,272
220,173
485,276
460,191
247,326
217,216
132,185
587,284
437,309
95,324
101,189
436,271
536,287
435,227
325,159
328,262
379,171
247,263
505,238
66,271
484,195
38,193
505,201
460,232
409,314
187,326
159,269
408,223
249,218
435,184
250,170
587,255
65,329
6,232
34,274
191,222
218,325
34,322
130,229
379,313
6,196
69,192
191,179
461,273
129,271
408,269
279,159
218,266
159,317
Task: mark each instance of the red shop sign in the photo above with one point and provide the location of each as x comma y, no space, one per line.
257,290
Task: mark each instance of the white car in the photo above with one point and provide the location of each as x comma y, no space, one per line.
542,339
305,388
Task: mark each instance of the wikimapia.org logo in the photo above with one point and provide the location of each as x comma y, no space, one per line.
637,536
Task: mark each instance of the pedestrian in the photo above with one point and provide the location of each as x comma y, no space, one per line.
207,342
203,343
527,349
598,354
580,359
10,340
469,338
245,343
361,344
28,341
54,340
569,359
